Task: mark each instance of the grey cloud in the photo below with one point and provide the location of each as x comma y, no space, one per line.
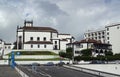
67,16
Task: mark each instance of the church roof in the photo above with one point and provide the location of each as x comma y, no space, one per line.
8,44
38,42
41,29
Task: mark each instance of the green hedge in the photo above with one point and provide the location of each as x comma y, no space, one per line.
88,58
34,53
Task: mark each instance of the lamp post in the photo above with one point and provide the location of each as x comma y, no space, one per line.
73,52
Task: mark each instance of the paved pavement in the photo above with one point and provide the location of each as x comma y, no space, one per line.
7,71
56,71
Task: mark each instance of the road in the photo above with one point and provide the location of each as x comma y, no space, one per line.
7,71
56,71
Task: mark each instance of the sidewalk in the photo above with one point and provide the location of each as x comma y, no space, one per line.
91,71
7,71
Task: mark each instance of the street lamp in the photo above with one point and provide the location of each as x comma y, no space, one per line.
73,52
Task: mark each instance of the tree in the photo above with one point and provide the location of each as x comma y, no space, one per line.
69,53
62,54
86,52
108,53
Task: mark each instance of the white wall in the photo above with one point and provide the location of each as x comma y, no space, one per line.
20,34
82,46
114,38
63,45
37,34
35,46
64,36
54,35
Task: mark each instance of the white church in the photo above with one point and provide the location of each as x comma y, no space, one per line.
31,37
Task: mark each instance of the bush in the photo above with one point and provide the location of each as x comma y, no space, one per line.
85,58
62,54
103,58
86,52
69,53
108,53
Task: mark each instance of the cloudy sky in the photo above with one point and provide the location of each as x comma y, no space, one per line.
67,16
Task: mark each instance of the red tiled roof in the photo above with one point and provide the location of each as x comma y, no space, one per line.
89,41
42,29
63,34
86,41
38,42
63,40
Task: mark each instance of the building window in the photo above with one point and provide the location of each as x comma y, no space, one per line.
108,42
117,27
81,46
107,33
5,47
108,38
38,46
9,47
96,38
45,46
44,38
99,33
20,38
88,35
96,34
77,46
31,38
38,38
107,29
31,46
99,37
92,34
77,52
103,33
55,42
103,36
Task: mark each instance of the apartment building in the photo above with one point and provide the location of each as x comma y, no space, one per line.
109,35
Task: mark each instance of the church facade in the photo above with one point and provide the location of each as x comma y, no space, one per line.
30,37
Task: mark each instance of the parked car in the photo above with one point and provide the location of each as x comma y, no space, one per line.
49,64
97,62
35,64
60,63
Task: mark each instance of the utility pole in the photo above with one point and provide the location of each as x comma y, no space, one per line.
73,52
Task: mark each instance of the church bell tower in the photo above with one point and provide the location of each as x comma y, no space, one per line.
28,23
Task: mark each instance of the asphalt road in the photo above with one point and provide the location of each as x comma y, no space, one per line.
56,71
7,71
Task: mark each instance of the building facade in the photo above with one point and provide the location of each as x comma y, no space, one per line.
99,35
5,47
110,35
97,47
30,37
